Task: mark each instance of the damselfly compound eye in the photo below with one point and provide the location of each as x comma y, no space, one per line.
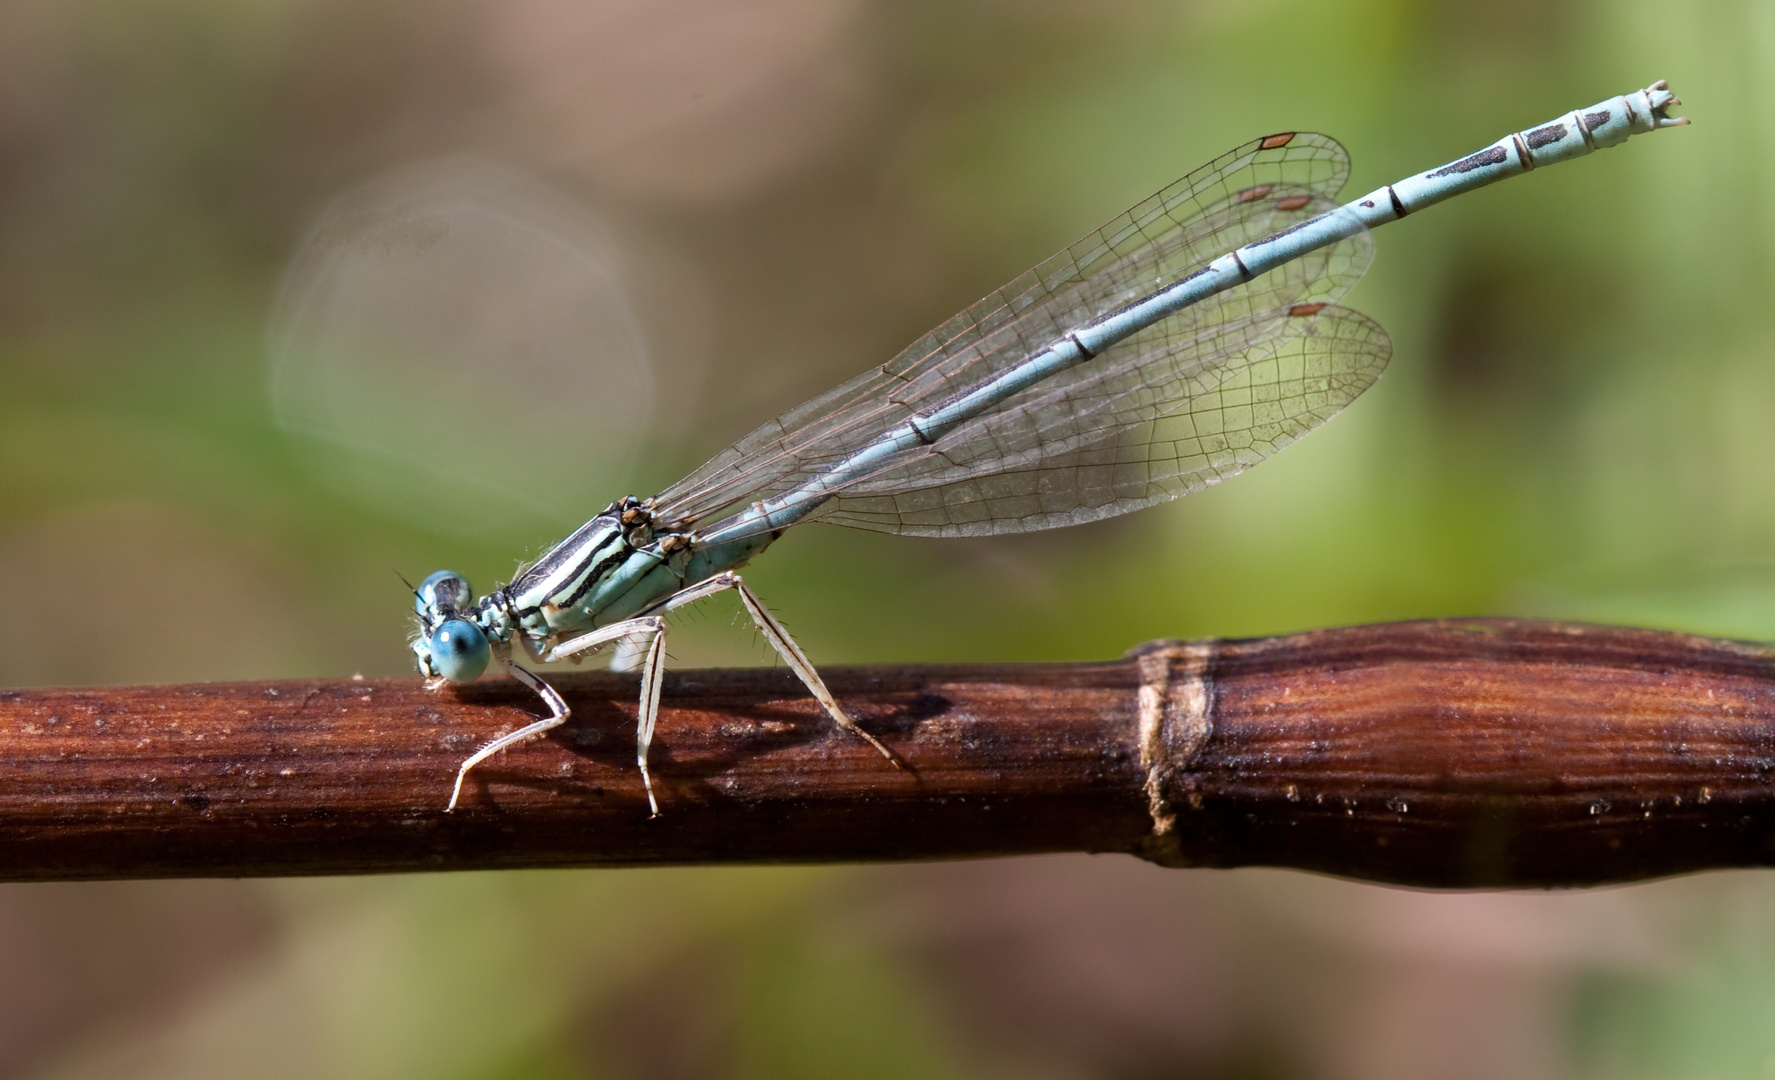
459,651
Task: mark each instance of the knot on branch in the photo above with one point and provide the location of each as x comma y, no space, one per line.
1176,696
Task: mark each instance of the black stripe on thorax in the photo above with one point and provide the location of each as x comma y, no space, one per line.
585,557
561,553
591,580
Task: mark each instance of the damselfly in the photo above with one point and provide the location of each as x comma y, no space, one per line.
1184,341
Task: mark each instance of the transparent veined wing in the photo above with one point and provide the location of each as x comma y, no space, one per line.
1251,192
1168,421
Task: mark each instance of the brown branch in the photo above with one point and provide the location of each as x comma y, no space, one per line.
1479,752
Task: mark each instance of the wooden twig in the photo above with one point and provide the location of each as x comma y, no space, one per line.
1452,753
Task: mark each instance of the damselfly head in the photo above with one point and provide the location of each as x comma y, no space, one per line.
448,646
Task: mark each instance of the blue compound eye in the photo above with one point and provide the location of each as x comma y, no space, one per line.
459,651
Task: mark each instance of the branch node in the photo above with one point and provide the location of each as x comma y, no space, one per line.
1176,695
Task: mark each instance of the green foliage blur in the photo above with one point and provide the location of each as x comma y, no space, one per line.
1575,423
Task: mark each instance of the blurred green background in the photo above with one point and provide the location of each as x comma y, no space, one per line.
672,219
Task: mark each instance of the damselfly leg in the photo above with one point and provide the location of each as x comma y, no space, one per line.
647,634
558,711
780,640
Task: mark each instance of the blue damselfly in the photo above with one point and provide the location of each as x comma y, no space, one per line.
1183,342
